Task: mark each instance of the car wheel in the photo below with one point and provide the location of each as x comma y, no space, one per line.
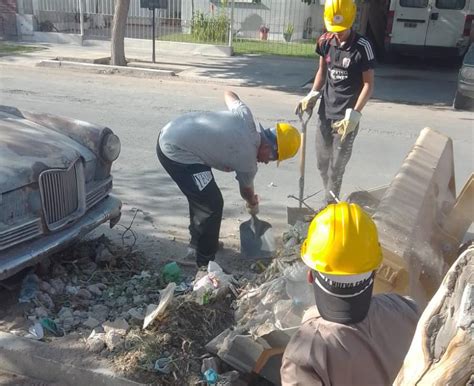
460,101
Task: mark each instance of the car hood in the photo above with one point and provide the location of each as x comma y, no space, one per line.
27,148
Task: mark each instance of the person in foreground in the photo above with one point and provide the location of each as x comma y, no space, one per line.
194,143
350,337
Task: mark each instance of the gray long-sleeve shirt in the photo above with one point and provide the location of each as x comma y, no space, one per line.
224,140
367,353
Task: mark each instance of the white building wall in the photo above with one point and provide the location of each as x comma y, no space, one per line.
275,14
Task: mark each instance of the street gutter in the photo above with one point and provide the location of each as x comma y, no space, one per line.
30,358
104,68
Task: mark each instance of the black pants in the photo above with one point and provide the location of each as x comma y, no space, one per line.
332,156
205,200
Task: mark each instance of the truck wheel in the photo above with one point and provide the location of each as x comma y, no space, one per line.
460,101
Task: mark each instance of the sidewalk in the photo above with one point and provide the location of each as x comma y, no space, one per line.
271,72
417,83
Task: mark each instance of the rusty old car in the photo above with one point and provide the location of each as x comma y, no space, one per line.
55,184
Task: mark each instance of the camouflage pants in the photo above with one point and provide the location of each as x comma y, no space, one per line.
332,156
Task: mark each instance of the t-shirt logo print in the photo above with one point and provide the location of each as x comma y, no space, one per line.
346,62
202,179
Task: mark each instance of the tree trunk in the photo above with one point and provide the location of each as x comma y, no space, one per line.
441,352
118,33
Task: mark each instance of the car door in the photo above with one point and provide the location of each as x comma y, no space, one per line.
410,22
446,22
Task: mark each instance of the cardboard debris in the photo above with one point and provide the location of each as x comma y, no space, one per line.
153,310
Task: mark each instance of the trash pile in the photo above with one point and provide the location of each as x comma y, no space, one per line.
152,321
268,311
149,321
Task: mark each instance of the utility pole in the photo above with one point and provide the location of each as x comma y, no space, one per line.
81,19
153,24
231,31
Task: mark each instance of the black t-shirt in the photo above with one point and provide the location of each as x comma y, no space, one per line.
345,66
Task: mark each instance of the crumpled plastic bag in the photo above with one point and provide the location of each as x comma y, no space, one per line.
297,287
214,284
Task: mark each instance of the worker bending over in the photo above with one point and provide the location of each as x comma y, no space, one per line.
191,145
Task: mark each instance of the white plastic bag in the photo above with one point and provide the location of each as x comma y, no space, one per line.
215,283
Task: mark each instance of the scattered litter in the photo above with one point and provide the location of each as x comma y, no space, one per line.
214,284
272,185
211,377
229,378
153,310
35,332
210,363
163,365
86,295
183,288
171,273
29,288
51,326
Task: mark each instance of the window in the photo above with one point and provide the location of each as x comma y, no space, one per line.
414,3
450,4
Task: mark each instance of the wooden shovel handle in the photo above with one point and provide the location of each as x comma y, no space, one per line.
304,123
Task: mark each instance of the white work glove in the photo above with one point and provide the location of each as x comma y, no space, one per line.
347,125
252,207
307,103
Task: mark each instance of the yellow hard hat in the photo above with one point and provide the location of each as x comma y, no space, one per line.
288,140
339,15
342,240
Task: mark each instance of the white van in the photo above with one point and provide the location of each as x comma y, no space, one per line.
429,27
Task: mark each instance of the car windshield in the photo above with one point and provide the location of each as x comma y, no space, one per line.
450,4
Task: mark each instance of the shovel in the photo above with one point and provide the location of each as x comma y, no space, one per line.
256,238
301,213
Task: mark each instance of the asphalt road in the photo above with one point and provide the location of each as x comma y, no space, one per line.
136,109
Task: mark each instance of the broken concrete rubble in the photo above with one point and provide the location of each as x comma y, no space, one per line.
96,342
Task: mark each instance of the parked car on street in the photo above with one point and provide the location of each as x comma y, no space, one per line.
55,184
464,97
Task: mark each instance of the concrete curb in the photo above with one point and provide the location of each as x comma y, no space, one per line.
103,68
30,358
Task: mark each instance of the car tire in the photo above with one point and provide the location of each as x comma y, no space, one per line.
460,101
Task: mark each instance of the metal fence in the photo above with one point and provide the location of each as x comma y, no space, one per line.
286,27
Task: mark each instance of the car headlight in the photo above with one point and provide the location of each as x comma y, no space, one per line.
111,147
467,73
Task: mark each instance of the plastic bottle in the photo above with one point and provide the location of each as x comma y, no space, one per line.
29,288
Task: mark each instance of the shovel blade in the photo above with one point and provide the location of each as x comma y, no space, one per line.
256,239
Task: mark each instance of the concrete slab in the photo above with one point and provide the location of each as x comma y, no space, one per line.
34,359
412,210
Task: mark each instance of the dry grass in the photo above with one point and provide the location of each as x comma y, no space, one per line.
180,335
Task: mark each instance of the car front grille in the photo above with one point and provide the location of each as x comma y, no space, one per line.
98,192
61,194
20,234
